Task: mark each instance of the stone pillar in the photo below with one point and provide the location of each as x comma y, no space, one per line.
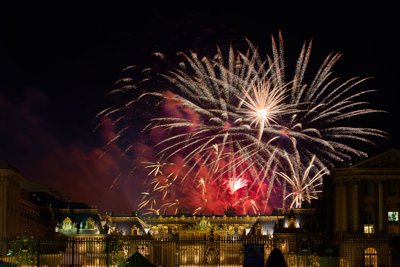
3,205
381,214
345,210
340,215
14,209
9,201
336,216
355,207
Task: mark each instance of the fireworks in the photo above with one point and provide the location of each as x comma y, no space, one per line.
235,184
263,104
303,186
231,124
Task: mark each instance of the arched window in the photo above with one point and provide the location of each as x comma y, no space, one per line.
370,257
134,230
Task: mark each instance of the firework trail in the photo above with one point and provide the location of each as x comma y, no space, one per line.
325,106
304,183
228,125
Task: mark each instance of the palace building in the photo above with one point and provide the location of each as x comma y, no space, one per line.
366,199
355,223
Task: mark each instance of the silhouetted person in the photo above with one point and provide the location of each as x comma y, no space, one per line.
276,259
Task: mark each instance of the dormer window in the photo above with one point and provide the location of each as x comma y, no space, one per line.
67,224
89,223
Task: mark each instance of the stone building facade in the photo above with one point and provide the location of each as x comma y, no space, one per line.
366,198
358,222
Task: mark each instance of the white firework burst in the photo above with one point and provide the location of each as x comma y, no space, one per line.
305,182
240,115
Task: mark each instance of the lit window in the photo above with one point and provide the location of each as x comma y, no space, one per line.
371,257
89,223
393,216
368,228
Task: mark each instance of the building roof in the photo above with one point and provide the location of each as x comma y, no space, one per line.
385,166
46,199
125,223
388,159
6,166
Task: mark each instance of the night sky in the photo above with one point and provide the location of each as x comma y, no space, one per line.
58,62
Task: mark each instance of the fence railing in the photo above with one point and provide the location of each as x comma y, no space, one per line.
142,250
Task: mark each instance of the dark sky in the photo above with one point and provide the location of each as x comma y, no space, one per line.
58,62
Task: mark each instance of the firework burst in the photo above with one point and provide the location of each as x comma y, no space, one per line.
324,109
231,124
304,182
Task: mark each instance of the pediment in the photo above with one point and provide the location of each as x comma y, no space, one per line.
389,159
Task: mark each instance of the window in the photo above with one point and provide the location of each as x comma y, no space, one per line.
368,189
89,223
368,217
134,230
370,257
393,216
393,228
391,188
369,229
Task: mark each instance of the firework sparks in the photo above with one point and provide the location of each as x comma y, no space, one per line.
234,184
155,167
264,105
241,116
304,186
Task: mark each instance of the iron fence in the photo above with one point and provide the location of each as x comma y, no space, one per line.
215,251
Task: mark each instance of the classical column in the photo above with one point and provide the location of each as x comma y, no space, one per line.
381,214
340,207
345,209
355,207
337,214
9,201
3,205
14,199
11,207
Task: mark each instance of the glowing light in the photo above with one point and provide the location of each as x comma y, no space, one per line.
262,114
235,184
264,104
238,115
